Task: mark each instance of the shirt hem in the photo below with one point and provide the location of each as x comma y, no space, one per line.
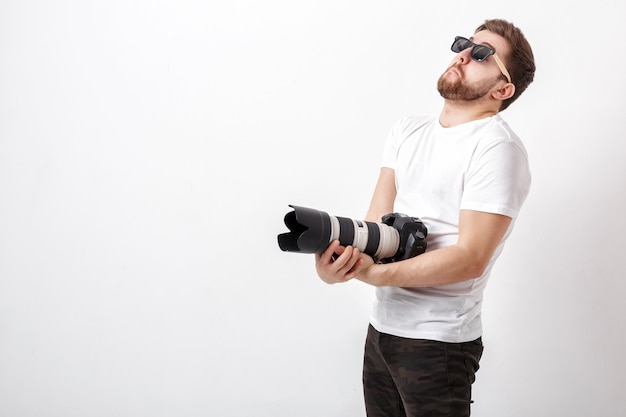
427,335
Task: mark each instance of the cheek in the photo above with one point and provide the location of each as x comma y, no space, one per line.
476,72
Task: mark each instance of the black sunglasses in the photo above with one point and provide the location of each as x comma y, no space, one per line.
479,52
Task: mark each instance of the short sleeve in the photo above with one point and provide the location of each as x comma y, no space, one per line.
498,179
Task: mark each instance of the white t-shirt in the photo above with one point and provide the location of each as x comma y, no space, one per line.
481,165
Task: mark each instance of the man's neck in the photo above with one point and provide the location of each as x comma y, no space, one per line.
454,113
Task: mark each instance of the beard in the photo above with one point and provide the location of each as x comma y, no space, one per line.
459,90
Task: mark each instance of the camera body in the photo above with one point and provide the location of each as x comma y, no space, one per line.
412,234
396,238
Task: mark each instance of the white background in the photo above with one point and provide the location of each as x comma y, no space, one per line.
149,150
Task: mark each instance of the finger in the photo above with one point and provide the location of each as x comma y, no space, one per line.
326,256
353,267
347,260
356,268
324,260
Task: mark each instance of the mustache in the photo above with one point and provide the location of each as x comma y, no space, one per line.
457,67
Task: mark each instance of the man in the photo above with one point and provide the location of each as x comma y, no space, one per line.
465,174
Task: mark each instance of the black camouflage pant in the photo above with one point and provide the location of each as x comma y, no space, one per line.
418,378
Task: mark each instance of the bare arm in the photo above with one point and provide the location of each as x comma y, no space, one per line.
479,235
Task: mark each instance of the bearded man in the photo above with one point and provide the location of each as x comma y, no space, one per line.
465,174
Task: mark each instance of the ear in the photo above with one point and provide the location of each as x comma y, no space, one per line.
504,92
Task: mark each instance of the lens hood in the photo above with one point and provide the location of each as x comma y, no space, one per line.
310,230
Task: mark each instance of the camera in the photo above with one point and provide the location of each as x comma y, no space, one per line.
396,238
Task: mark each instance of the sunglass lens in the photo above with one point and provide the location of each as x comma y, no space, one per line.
481,52
460,44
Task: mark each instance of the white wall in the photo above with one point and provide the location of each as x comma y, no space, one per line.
149,150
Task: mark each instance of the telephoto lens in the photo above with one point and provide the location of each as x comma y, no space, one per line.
311,231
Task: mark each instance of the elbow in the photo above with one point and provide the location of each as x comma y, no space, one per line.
475,268
472,263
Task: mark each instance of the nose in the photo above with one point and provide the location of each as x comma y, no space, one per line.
464,57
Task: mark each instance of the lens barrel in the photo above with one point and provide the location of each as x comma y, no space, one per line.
311,231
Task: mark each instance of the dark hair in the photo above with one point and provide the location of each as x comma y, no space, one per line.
520,62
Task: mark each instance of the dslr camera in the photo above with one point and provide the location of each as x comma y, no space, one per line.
396,238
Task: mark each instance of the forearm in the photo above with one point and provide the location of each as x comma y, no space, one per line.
439,267
479,235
